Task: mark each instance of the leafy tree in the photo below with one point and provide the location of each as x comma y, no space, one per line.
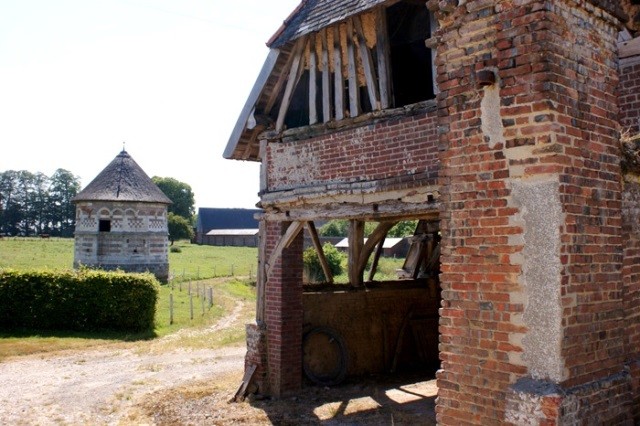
340,228
403,229
179,228
34,203
180,194
313,267
11,212
62,188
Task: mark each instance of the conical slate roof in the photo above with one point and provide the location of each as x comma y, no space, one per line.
122,180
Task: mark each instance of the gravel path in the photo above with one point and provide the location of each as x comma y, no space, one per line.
99,386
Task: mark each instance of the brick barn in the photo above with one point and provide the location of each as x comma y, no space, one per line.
498,126
121,221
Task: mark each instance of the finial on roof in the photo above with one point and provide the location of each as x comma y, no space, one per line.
123,150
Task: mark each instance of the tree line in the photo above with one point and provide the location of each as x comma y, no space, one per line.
34,203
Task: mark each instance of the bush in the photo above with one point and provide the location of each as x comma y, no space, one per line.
312,267
84,300
175,249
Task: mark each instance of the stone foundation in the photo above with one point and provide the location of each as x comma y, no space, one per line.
605,401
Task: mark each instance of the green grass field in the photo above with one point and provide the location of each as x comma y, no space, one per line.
193,262
228,271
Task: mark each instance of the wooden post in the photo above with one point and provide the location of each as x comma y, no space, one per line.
326,90
202,304
210,296
313,111
170,308
338,79
189,290
191,305
356,242
352,68
382,49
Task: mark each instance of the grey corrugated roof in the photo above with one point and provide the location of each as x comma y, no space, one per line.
312,15
122,180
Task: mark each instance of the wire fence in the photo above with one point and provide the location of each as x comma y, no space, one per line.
203,273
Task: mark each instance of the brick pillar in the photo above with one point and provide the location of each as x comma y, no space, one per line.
283,313
531,320
631,279
629,118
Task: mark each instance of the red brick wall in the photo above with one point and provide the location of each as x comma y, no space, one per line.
631,279
283,313
629,91
388,149
584,86
550,130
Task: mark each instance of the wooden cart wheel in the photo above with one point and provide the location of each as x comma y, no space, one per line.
324,356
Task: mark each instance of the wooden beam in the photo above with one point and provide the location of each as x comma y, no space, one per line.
338,79
313,113
280,82
352,69
367,64
294,75
323,259
373,240
383,55
326,73
356,242
376,259
285,241
629,48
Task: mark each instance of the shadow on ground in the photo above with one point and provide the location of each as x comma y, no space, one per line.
379,400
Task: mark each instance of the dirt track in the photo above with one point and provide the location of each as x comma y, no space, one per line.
100,386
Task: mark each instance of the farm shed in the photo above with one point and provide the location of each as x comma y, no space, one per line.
390,246
496,125
121,221
232,237
224,219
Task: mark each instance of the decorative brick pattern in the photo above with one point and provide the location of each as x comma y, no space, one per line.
137,244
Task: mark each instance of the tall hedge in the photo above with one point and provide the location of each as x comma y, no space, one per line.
83,300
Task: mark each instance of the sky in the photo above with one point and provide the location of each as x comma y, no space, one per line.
168,78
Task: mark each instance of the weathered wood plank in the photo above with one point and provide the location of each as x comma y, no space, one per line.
313,113
629,48
382,49
323,259
338,79
326,74
368,118
352,69
294,75
285,241
356,242
367,64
